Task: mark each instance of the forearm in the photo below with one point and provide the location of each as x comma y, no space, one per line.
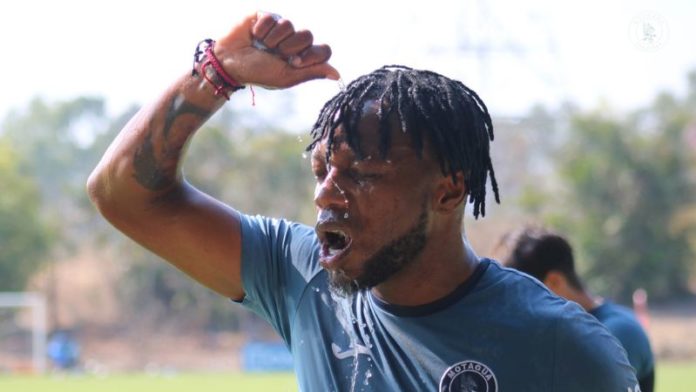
138,184
143,164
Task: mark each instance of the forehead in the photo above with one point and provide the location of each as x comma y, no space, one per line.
369,136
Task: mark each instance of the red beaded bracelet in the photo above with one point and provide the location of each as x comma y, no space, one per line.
203,58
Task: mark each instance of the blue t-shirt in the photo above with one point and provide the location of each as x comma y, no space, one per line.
499,331
621,322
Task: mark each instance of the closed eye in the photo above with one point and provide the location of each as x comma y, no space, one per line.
319,175
318,169
364,176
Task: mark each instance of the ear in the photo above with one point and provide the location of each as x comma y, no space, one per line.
555,281
450,194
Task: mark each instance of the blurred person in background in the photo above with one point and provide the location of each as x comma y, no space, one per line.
548,257
63,350
383,293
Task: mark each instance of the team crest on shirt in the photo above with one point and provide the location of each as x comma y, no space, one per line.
468,376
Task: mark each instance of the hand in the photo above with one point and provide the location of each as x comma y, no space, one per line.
266,50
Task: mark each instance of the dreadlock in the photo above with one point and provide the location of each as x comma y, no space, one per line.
453,117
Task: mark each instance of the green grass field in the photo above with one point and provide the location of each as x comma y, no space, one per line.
283,382
671,377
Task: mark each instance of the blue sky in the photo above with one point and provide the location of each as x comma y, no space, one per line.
515,54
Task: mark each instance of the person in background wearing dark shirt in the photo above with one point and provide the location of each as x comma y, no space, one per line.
548,257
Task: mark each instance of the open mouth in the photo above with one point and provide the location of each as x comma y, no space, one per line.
334,244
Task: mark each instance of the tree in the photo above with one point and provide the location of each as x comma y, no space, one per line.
260,171
24,236
51,142
628,180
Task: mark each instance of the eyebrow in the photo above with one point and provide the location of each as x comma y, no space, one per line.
336,140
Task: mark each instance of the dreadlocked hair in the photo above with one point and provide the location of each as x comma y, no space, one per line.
452,116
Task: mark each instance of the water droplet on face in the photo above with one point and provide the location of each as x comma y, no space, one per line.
341,191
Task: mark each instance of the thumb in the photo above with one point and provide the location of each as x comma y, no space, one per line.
317,71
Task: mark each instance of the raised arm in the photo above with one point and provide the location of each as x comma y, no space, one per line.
138,185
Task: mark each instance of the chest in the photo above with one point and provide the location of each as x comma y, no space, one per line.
348,344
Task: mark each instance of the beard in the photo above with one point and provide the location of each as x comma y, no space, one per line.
389,260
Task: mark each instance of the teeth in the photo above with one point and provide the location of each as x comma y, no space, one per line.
333,252
338,232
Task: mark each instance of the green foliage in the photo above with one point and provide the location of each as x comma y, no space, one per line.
257,172
628,180
260,172
42,175
24,237
51,142
47,151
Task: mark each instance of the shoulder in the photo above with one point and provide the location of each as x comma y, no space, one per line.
583,347
280,240
519,299
497,274
622,323
273,226
586,357
276,231
519,290
618,319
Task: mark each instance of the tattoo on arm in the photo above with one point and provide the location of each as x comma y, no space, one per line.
148,171
156,159
178,108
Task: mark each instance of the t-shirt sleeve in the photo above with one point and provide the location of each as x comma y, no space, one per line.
278,260
588,357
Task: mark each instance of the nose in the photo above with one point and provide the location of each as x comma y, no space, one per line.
328,194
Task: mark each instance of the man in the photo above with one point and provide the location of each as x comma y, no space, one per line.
548,257
383,294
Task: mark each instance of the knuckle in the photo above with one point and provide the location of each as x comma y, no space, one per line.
305,35
285,24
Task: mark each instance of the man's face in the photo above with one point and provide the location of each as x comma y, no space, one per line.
373,214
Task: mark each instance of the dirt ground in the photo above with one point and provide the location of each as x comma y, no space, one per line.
672,331
157,348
